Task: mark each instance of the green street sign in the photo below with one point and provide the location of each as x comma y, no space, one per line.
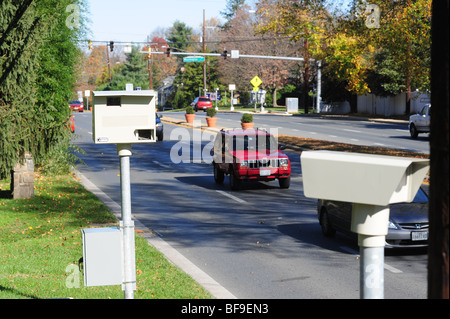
194,59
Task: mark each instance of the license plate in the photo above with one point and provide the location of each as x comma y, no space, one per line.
264,172
419,235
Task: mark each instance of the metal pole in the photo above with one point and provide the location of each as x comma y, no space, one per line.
319,85
127,225
372,272
370,222
268,57
150,64
204,50
108,61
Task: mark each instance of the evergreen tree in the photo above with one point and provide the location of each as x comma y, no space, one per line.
37,55
180,36
135,71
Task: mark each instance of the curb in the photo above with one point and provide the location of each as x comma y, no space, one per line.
155,240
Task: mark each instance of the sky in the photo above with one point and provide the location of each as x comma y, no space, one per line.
134,20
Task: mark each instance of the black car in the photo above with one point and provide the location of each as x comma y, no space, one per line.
407,228
159,128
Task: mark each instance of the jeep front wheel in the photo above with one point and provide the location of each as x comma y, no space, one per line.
284,182
235,183
219,176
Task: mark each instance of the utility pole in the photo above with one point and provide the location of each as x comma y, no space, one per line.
204,51
150,62
438,250
108,62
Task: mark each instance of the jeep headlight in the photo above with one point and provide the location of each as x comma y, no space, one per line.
284,162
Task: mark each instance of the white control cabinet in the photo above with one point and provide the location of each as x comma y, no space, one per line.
102,256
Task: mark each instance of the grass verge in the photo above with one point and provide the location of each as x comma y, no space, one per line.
41,243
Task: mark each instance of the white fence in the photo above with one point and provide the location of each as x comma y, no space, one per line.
392,105
372,104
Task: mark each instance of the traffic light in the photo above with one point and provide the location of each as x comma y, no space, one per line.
90,45
149,52
168,52
111,45
225,54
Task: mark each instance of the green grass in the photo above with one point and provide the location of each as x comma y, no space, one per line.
40,245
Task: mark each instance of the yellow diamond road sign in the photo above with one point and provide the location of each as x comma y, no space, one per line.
256,81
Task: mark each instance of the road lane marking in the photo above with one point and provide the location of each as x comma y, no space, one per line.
392,269
386,266
161,164
348,130
231,196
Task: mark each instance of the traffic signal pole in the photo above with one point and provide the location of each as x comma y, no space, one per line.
236,55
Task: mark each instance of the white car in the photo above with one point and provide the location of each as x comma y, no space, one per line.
420,122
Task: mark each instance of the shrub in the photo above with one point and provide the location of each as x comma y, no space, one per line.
247,118
189,110
211,112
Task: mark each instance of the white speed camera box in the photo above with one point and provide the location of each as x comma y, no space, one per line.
362,178
124,117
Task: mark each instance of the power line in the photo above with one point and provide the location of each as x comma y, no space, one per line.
188,42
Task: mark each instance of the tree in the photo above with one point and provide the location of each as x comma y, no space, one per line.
180,36
385,79
189,81
241,32
36,79
403,32
161,66
135,71
302,21
232,7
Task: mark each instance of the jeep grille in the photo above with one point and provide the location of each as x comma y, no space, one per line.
262,163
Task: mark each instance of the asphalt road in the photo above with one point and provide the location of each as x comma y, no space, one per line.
368,132
259,242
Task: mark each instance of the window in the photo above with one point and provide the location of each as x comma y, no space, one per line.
113,101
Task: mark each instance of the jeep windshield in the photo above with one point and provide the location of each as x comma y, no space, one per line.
255,143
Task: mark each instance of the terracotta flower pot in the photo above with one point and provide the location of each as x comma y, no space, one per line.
189,117
211,121
246,126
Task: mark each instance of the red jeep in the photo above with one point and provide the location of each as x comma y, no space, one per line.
249,155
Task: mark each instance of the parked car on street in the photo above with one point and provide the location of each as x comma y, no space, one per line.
159,128
201,103
407,227
420,122
71,124
250,154
76,105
